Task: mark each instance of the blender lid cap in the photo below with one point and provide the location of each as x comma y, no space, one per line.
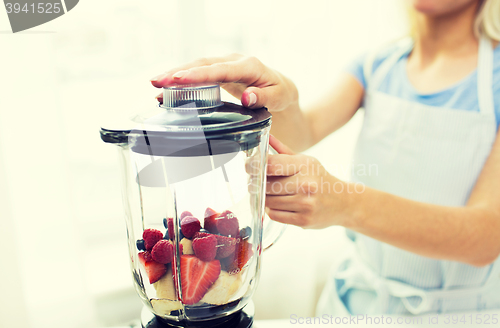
191,96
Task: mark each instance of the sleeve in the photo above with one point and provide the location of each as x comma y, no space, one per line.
355,68
496,83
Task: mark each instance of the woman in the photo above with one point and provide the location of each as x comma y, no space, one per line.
428,222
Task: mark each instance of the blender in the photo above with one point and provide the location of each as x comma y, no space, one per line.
194,174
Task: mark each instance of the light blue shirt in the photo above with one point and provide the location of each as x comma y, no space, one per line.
460,96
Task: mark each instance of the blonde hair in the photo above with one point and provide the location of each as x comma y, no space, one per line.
487,20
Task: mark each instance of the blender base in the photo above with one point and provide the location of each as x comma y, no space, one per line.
241,319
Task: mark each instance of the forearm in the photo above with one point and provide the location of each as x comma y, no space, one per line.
300,129
469,234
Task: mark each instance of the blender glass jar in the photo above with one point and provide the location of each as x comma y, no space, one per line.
194,172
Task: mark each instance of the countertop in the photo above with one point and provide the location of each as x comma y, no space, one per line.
460,319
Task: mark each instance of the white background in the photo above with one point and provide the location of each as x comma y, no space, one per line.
62,235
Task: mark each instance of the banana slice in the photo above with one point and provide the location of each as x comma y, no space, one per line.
164,307
223,288
165,286
187,246
165,292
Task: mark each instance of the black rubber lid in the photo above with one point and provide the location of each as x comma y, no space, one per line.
194,128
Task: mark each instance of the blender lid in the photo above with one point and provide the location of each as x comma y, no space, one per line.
189,111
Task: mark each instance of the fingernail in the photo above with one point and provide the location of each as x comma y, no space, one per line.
156,78
252,99
179,74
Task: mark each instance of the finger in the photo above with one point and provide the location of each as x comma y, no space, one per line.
281,185
279,146
244,71
253,165
284,165
282,216
160,98
267,96
165,78
283,203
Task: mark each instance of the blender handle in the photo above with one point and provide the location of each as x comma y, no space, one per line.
273,230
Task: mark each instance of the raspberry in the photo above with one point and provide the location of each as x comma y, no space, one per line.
163,251
205,248
151,237
225,245
202,234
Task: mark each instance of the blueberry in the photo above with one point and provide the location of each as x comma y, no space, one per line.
167,237
140,245
245,233
165,224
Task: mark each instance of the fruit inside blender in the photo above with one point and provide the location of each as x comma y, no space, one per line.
213,257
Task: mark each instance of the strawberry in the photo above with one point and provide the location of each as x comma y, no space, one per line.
209,222
163,251
245,252
170,229
205,248
225,245
234,264
184,214
189,226
142,258
154,270
174,275
197,277
227,224
146,256
151,237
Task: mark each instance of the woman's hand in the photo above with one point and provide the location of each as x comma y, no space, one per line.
301,192
245,78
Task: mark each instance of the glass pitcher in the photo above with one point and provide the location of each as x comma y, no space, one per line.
194,173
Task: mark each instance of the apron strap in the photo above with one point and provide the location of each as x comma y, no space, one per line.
374,79
484,71
485,77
